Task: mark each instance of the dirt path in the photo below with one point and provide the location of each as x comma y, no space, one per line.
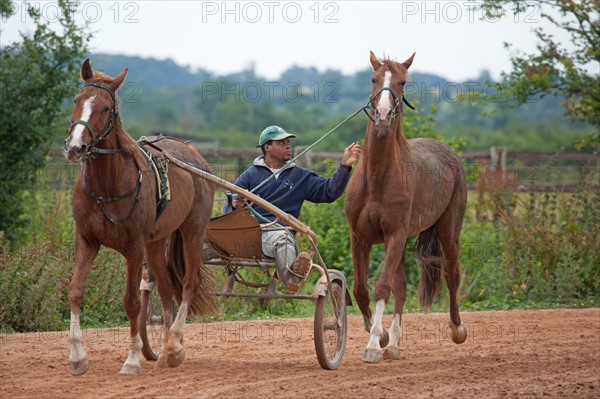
548,353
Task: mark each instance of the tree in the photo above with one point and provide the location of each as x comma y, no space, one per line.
553,69
37,75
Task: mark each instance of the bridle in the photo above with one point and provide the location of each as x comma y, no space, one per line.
91,148
370,108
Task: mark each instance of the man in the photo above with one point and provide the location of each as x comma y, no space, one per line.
288,190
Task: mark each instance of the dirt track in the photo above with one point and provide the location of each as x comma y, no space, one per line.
549,353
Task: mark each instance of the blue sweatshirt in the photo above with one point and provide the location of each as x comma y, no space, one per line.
292,187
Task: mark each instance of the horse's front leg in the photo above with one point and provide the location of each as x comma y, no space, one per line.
85,253
392,350
132,308
378,336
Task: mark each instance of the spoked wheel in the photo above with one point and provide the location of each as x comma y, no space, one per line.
150,319
150,323
331,324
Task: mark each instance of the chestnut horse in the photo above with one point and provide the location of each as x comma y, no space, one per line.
115,205
399,189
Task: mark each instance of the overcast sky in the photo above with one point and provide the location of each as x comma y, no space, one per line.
450,37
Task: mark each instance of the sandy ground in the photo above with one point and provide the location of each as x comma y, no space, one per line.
547,353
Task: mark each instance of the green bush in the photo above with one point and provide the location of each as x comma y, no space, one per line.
545,251
33,285
551,245
34,278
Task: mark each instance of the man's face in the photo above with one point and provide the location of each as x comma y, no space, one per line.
280,150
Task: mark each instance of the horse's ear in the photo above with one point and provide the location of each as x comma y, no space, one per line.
409,61
86,70
375,62
118,80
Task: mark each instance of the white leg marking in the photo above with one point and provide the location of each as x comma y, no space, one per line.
77,358
175,351
132,364
179,323
392,351
77,135
395,332
377,327
385,106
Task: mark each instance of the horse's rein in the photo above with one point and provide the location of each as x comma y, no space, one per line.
107,128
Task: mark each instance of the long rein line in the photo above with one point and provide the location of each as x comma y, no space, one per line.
310,147
291,161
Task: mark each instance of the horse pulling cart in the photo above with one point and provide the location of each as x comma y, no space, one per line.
235,240
118,202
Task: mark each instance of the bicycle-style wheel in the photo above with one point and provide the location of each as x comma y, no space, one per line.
331,327
150,324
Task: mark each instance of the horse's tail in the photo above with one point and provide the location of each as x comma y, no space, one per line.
428,254
203,301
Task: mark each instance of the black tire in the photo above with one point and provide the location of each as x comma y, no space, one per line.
331,331
150,324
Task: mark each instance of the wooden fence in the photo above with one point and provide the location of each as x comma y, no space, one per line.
498,167
524,171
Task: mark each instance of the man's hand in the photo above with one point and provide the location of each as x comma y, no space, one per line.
351,154
238,201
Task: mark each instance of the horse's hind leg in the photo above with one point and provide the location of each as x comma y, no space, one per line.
132,308
392,350
448,234
155,256
192,250
85,252
360,259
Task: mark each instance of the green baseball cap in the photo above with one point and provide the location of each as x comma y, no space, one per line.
273,133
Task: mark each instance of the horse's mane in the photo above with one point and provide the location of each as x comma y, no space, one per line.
101,77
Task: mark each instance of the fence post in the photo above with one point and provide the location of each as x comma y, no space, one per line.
498,162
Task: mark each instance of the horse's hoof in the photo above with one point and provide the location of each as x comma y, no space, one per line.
391,353
371,356
384,340
80,367
131,369
458,333
175,359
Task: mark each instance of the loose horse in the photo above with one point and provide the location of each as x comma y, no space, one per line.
115,205
399,189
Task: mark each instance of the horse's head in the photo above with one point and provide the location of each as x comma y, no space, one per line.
389,78
94,114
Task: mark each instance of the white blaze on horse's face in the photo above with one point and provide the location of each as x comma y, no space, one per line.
74,146
384,106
